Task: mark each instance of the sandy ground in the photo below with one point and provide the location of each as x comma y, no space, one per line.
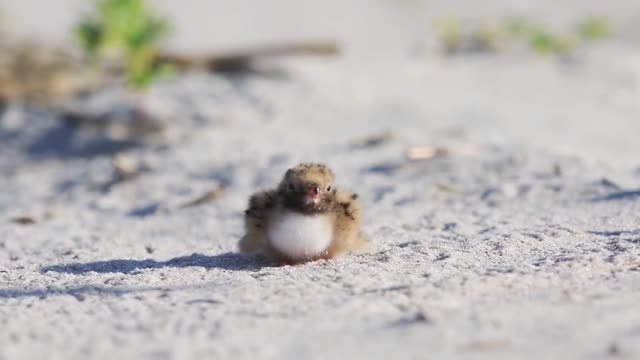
528,249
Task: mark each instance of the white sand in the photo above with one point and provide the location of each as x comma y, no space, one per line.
493,255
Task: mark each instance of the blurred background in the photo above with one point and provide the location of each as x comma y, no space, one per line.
360,25
101,79
540,72
494,145
210,89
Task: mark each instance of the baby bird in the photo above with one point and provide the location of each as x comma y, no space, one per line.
305,218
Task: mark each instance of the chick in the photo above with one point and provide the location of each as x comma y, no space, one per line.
305,218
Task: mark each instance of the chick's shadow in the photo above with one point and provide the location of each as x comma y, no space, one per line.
226,261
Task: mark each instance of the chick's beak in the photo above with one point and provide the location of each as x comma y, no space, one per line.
312,194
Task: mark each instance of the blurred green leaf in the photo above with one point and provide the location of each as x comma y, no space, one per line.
450,33
89,34
150,32
594,28
541,41
129,28
517,26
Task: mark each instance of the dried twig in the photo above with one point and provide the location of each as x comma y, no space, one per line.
374,140
36,73
123,170
241,59
43,75
208,197
23,220
489,345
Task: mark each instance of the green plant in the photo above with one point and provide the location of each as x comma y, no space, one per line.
450,34
594,28
457,38
492,37
516,26
545,42
129,29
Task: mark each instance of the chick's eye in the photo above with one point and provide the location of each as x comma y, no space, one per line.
291,187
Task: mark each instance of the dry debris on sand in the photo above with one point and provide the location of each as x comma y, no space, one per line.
528,247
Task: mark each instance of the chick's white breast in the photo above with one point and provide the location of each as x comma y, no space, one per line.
300,236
